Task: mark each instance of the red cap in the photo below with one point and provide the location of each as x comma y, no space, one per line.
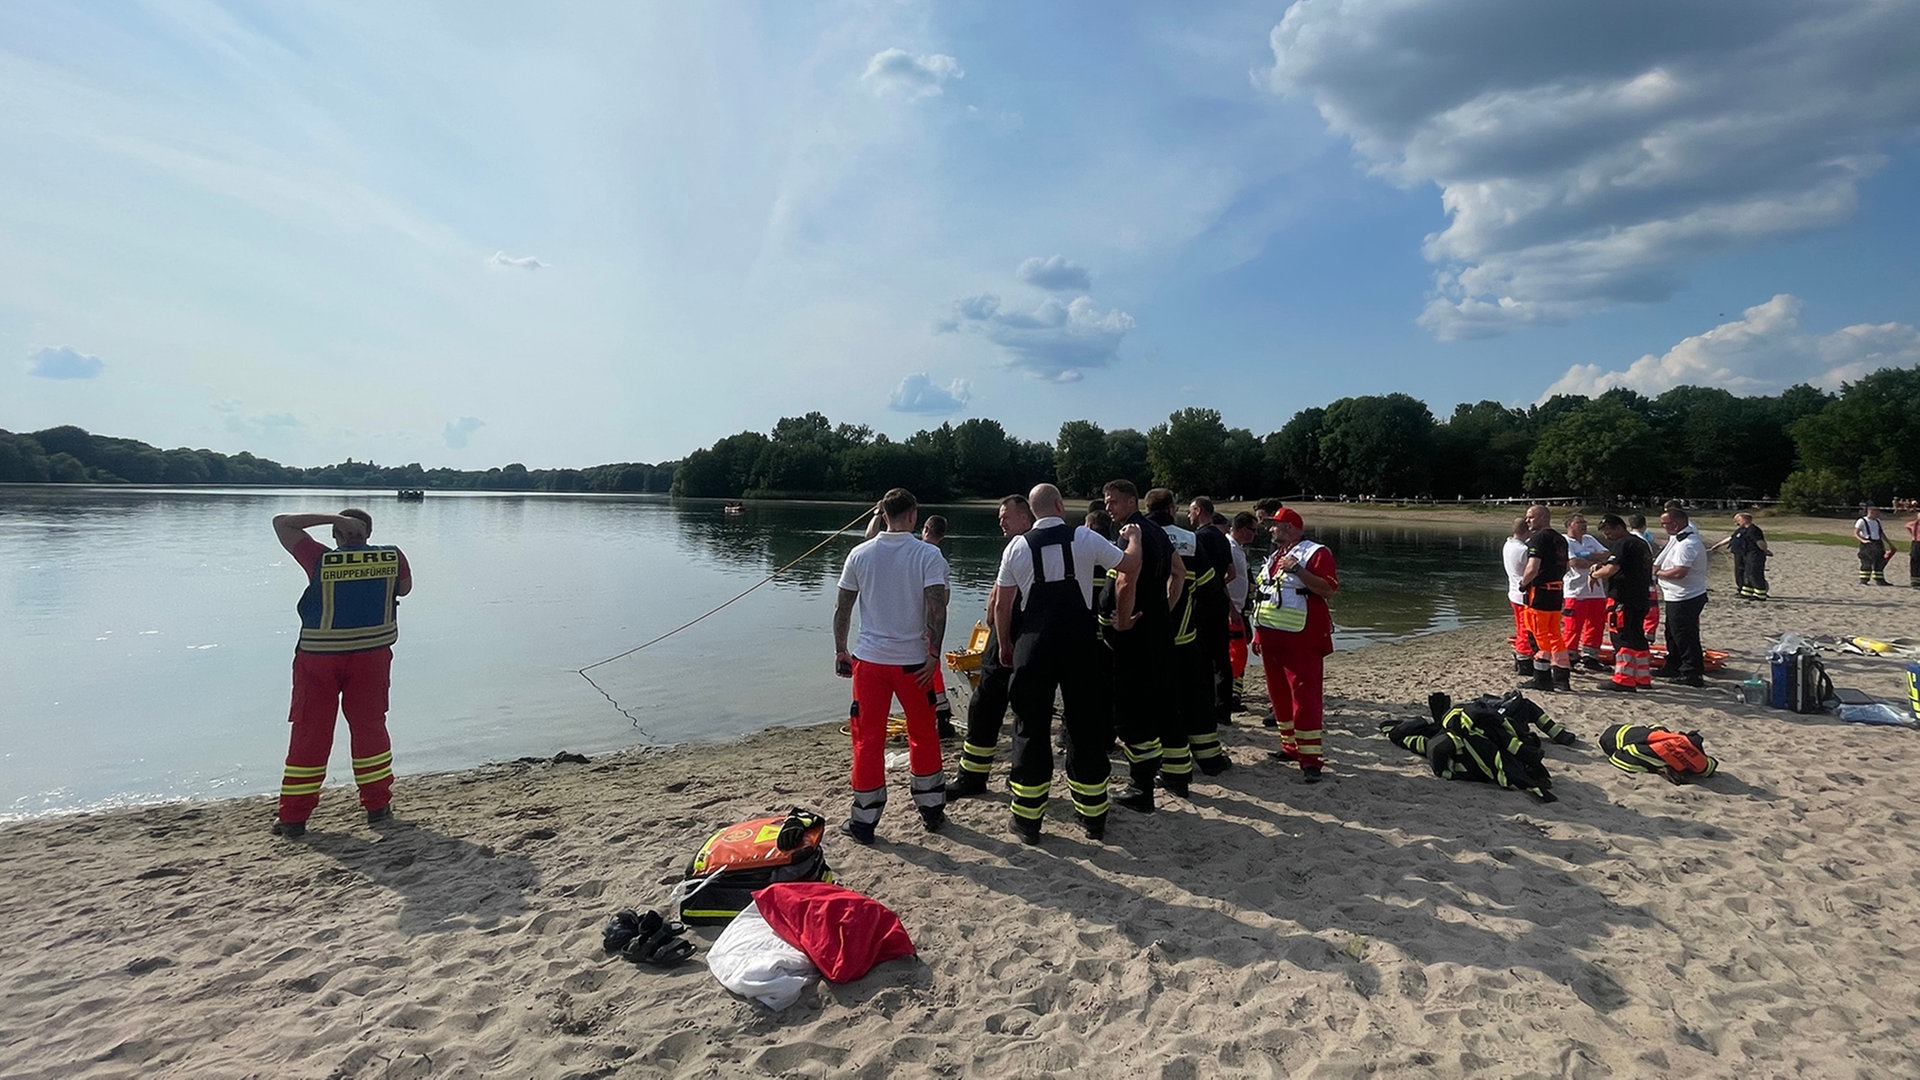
1288,515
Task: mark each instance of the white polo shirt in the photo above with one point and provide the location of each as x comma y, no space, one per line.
1683,549
1237,588
1871,528
892,573
1090,550
1580,584
1513,554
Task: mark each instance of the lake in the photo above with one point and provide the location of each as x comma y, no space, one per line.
148,634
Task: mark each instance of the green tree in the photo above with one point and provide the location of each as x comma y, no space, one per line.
64,468
1870,436
878,466
1809,491
183,466
1188,452
1379,445
1080,458
981,456
22,461
1126,458
1482,450
1292,458
1598,450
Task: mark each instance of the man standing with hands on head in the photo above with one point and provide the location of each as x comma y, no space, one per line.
900,585
1681,570
343,662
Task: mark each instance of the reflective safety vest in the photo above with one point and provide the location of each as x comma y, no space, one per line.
349,605
1184,630
1282,603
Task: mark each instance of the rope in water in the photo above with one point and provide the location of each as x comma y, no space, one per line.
582,672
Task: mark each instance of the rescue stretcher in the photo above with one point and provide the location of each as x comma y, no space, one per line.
1712,659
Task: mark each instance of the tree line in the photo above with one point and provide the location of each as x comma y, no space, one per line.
71,455
1806,447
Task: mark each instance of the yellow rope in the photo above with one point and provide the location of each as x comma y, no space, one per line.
582,672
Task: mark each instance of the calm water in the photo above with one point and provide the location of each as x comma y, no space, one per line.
148,635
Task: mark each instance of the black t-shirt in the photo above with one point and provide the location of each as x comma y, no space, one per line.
1156,565
1630,583
1548,587
1746,541
1215,552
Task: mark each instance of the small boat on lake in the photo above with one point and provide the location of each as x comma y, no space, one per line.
410,494
733,507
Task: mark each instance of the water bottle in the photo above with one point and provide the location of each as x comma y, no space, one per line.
1753,690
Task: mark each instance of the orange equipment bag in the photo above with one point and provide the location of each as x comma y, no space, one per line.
739,859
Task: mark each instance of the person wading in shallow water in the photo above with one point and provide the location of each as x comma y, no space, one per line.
342,663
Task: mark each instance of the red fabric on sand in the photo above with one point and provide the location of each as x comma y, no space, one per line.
841,931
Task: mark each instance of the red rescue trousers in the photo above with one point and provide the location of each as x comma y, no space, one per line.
1523,646
1295,667
874,688
324,686
1584,621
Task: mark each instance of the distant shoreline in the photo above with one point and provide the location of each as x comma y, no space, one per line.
1492,516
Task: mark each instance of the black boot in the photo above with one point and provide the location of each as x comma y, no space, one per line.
1542,680
1135,798
1523,665
1562,680
966,784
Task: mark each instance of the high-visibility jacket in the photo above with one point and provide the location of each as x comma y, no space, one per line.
350,603
1652,747
1282,598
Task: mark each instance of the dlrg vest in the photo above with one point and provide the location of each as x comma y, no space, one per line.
349,605
1282,602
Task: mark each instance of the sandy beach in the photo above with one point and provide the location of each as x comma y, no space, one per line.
1756,924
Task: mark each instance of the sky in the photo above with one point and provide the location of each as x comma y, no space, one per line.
469,234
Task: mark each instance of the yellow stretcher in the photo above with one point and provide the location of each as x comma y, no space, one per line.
966,662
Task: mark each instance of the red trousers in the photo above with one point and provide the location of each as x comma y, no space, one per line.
1295,666
875,686
1653,613
324,686
1523,646
1586,621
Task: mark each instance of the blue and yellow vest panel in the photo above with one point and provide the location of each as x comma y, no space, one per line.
349,605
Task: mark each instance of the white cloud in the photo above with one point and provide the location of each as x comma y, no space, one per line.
1587,155
459,432
1055,274
1054,341
1762,352
897,73
917,394
503,261
63,362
